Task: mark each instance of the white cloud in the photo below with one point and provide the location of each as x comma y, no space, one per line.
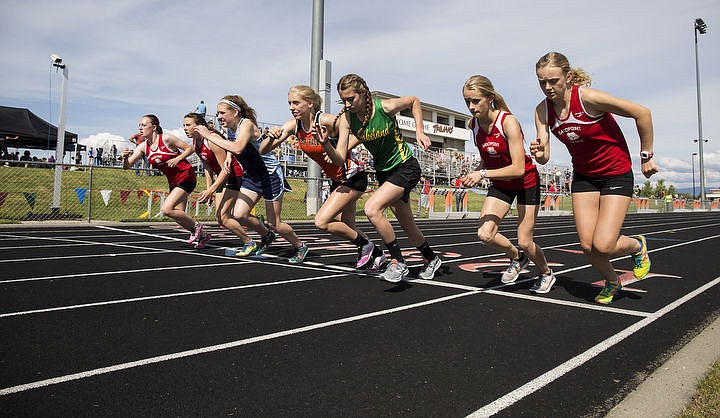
130,58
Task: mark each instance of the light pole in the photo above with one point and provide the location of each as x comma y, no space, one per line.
316,54
60,146
692,157
700,27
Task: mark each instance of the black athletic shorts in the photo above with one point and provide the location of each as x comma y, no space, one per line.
358,181
621,185
233,183
187,185
527,197
405,175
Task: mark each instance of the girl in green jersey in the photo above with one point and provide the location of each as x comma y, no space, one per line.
373,123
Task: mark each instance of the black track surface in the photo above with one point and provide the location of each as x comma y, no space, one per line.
131,321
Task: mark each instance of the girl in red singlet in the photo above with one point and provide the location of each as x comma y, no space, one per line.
223,184
512,175
602,185
349,181
168,154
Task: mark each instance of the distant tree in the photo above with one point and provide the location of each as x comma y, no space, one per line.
671,190
647,189
660,188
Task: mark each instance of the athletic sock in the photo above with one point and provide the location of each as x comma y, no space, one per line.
426,251
394,250
360,241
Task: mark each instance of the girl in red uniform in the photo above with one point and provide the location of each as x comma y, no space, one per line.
349,181
602,186
168,154
223,184
512,175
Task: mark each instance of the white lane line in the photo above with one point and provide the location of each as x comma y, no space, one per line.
219,347
551,375
165,296
108,273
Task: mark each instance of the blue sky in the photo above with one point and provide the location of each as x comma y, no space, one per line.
133,57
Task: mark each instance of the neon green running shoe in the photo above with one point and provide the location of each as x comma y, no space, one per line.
641,261
247,249
608,292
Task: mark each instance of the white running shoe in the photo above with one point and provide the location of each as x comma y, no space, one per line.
395,272
428,271
514,269
544,283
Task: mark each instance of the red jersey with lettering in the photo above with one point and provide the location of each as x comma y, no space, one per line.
595,143
208,157
183,171
314,149
495,153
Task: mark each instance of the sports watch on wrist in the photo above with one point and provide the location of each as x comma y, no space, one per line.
646,155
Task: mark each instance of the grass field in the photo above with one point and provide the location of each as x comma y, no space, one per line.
27,193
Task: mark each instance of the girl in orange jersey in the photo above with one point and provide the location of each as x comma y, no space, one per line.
349,181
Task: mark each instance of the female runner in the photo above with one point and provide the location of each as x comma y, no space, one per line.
263,177
372,122
168,154
223,184
349,181
512,175
602,185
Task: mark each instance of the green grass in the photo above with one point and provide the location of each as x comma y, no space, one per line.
706,401
21,184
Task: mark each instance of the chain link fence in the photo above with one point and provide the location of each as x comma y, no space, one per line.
107,193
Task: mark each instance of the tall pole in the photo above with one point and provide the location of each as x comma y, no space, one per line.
316,54
692,157
701,27
60,145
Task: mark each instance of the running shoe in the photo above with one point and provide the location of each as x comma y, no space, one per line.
610,289
197,232
514,269
544,283
265,242
641,260
300,254
364,255
395,272
247,249
429,269
378,263
202,242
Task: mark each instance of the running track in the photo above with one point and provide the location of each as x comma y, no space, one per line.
127,320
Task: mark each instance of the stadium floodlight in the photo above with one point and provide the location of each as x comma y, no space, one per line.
60,144
700,27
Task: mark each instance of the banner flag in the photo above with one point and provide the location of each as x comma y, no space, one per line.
30,198
81,192
105,195
124,195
